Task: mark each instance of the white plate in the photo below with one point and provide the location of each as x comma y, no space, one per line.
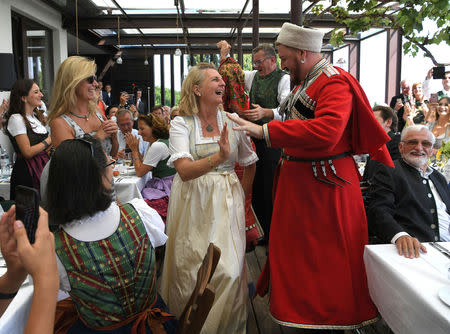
444,294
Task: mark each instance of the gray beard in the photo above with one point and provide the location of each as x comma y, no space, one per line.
417,162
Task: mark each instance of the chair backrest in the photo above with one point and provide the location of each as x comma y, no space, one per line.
198,306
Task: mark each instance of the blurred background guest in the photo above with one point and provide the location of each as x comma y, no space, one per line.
441,127
140,104
106,95
419,102
155,132
398,102
207,202
158,111
25,126
174,112
115,244
125,122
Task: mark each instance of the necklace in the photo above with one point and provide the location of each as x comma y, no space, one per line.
209,128
86,117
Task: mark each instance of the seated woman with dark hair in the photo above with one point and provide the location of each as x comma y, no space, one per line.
105,252
154,130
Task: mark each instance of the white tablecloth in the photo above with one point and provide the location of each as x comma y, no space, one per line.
4,189
129,187
406,290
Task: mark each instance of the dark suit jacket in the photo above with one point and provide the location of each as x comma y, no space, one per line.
399,202
106,98
142,107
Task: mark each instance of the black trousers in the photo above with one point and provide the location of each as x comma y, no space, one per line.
263,183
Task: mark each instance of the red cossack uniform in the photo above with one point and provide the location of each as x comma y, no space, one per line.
319,229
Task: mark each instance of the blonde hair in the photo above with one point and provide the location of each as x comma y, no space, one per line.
188,100
70,73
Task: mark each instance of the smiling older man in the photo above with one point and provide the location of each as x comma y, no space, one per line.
410,204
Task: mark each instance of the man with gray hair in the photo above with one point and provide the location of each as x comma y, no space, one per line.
125,124
398,102
318,229
410,203
267,86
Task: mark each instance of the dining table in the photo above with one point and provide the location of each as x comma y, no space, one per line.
412,295
127,184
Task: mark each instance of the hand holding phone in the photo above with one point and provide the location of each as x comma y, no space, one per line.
27,209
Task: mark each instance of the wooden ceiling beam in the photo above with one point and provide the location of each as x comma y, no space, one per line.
199,21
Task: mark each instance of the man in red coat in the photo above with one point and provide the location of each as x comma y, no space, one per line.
319,229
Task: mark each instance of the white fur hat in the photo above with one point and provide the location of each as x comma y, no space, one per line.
300,38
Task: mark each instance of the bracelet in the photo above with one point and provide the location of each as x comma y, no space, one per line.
210,163
8,295
134,159
46,145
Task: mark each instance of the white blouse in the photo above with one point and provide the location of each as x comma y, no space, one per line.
179,142
16,125
103,224
155,153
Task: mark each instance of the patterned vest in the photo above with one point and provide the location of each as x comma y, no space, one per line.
202,150
110,279
162,170
264,91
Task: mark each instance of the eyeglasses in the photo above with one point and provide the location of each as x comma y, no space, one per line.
111,163
91,79
414,142
259,62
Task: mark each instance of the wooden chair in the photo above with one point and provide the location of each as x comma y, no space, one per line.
197,308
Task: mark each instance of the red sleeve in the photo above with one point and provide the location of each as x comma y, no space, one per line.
322,133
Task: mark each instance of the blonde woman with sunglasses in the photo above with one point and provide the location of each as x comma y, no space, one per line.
73,109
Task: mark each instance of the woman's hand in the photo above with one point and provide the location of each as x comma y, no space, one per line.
4,106
132,142
110,127
39,259
16,272
106,129
224,144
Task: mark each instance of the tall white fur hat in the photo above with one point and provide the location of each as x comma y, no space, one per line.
300,38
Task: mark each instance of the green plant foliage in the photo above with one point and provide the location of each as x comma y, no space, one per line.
404,15
166,97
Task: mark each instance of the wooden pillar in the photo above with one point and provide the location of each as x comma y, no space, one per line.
296,12
182,68
239,47
255,26
163,89
151,101
172,81
191,57
393,63
354,58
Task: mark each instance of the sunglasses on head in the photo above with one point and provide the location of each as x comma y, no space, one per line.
91,79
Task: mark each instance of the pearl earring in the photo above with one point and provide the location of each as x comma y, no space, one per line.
302,61
199,94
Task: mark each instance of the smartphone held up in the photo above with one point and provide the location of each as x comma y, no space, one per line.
27,209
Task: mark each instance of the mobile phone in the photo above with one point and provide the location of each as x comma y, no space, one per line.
27,209
439,72
433,98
